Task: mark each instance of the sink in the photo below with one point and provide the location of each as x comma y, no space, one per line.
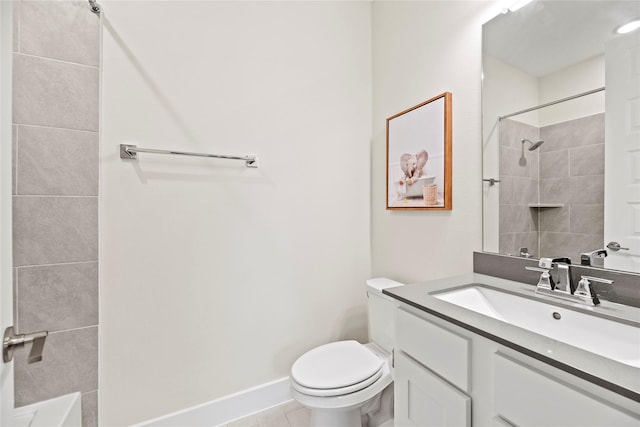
614,340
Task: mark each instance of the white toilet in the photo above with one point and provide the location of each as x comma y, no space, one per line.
337,379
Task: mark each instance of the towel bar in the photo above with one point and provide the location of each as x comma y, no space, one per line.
128,151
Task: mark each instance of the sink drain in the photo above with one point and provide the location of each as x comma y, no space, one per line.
556,315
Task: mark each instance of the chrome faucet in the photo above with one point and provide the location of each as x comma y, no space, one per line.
555,280
595,258
561,274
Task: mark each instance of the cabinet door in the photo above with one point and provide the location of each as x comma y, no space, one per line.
425,400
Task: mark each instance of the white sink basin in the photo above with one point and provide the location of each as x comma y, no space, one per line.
608,338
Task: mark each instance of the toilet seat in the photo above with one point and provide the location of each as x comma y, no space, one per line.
349,400
336,369
331,392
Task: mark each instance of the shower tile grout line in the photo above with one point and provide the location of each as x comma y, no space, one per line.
55,127
95,67
55,264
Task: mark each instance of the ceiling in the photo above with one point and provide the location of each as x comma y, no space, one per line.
561,32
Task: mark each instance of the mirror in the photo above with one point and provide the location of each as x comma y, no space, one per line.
559,86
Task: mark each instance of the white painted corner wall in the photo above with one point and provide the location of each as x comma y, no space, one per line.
216,277
420,50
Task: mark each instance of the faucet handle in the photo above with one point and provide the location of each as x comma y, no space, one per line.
598,279
586,291
545,281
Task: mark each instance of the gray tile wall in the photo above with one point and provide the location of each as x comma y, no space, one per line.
518,188
569,169
55,205
572,172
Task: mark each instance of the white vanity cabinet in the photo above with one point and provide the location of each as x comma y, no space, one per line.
447,375
434,396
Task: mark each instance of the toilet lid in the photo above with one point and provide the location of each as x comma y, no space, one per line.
335,365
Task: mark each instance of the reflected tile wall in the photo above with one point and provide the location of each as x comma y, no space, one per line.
568,169
55,157
518,188
572,173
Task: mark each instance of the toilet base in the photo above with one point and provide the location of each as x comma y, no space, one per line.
336,418
347,410
375,412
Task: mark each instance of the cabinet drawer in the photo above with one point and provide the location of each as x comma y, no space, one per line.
528,397
439,349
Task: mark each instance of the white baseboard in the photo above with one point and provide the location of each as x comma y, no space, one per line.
228,408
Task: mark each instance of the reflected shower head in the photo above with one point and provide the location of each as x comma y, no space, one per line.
533,145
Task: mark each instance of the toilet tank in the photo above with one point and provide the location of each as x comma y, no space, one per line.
381,312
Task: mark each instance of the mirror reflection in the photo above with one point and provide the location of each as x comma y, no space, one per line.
561,133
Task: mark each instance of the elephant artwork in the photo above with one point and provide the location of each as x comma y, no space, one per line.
419,156
413,166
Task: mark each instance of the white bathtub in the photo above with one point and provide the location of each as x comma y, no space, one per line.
63,411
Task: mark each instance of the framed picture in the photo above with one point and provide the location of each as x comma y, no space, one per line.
419,156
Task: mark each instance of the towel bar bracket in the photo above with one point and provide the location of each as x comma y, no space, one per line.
126,154
130,152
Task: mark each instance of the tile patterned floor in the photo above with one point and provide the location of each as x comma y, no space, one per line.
290,414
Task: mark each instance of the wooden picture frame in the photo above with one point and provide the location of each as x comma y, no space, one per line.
419,156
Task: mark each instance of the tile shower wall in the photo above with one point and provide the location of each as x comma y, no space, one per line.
55,204
569,170
572,173
518,188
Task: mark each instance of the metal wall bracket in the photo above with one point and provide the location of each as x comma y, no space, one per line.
94,6
126,154
11,341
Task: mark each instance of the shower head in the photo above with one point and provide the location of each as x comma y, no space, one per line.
532,145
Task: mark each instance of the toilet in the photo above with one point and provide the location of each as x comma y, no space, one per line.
338,379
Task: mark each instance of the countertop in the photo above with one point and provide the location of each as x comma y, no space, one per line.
613,375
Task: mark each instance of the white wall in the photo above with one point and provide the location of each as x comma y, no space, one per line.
578,78
216,277
422,49
505,90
